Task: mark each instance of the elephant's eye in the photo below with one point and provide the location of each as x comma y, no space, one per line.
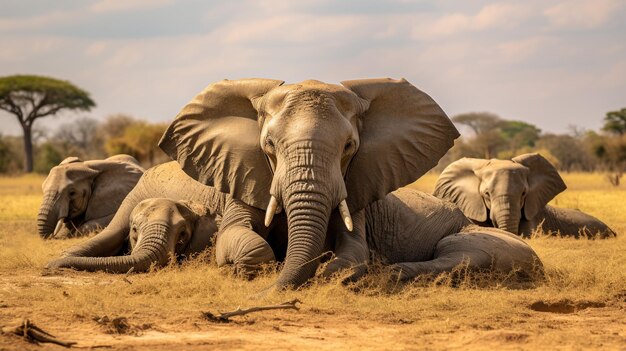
348,147
269,146
72,193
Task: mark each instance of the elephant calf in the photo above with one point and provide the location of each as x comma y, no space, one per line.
160,229
82,197
513,195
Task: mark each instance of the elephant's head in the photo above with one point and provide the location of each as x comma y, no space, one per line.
71,187
500,190
160,229
309,148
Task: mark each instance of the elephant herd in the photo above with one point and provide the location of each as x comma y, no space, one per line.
265,171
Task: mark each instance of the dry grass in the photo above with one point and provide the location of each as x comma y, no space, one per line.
584,294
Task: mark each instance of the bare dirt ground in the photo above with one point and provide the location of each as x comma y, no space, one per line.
580,305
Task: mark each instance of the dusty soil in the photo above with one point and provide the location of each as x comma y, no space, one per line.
546,324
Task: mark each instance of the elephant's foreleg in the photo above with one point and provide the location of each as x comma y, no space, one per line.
243,248
351,250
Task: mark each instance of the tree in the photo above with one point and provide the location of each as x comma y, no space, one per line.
138,138
519,134
478,122
30,97
80,138
615,122
488,139
47,157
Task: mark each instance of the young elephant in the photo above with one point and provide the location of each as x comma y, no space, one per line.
513,194
159,230
82,197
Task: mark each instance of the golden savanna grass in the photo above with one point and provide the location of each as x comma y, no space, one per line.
581,304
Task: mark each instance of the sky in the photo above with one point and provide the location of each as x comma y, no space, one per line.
555,64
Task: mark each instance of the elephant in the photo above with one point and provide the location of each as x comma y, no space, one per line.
173,207
404,228
419,234
82,196
160,229
316,154
513,195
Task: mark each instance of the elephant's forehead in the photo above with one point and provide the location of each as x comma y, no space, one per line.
312,91
496,167
313,85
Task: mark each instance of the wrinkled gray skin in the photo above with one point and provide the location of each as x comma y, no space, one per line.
306,148
82,197
513,194
420,234
166,214
416,232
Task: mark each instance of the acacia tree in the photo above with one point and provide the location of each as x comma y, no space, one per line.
30,97
615,122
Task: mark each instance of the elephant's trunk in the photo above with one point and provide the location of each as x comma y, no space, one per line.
310,187
308,211
152,249
47,217
506,213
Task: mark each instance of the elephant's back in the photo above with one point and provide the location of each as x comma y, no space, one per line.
168,180
407,224
571,222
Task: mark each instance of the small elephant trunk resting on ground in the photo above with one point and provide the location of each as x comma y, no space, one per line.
161,229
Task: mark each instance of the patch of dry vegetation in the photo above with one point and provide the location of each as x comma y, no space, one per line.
580,304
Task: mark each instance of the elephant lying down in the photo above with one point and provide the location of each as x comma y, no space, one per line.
82,197
416,232
513,195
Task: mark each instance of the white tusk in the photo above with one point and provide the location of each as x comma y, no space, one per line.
58,227
271,209
345,214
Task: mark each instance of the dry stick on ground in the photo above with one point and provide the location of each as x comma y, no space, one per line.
224,316
32,333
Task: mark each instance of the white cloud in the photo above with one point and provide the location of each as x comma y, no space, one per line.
290,28
582,14
517,51
126,5
491,16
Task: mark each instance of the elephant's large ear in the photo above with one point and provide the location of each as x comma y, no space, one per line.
403,134
114,180
215,138
544,183
459,184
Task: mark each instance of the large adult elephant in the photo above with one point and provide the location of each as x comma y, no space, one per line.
513,195
82,196
322,152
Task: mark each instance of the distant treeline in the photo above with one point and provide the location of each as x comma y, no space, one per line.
86,138
485,135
